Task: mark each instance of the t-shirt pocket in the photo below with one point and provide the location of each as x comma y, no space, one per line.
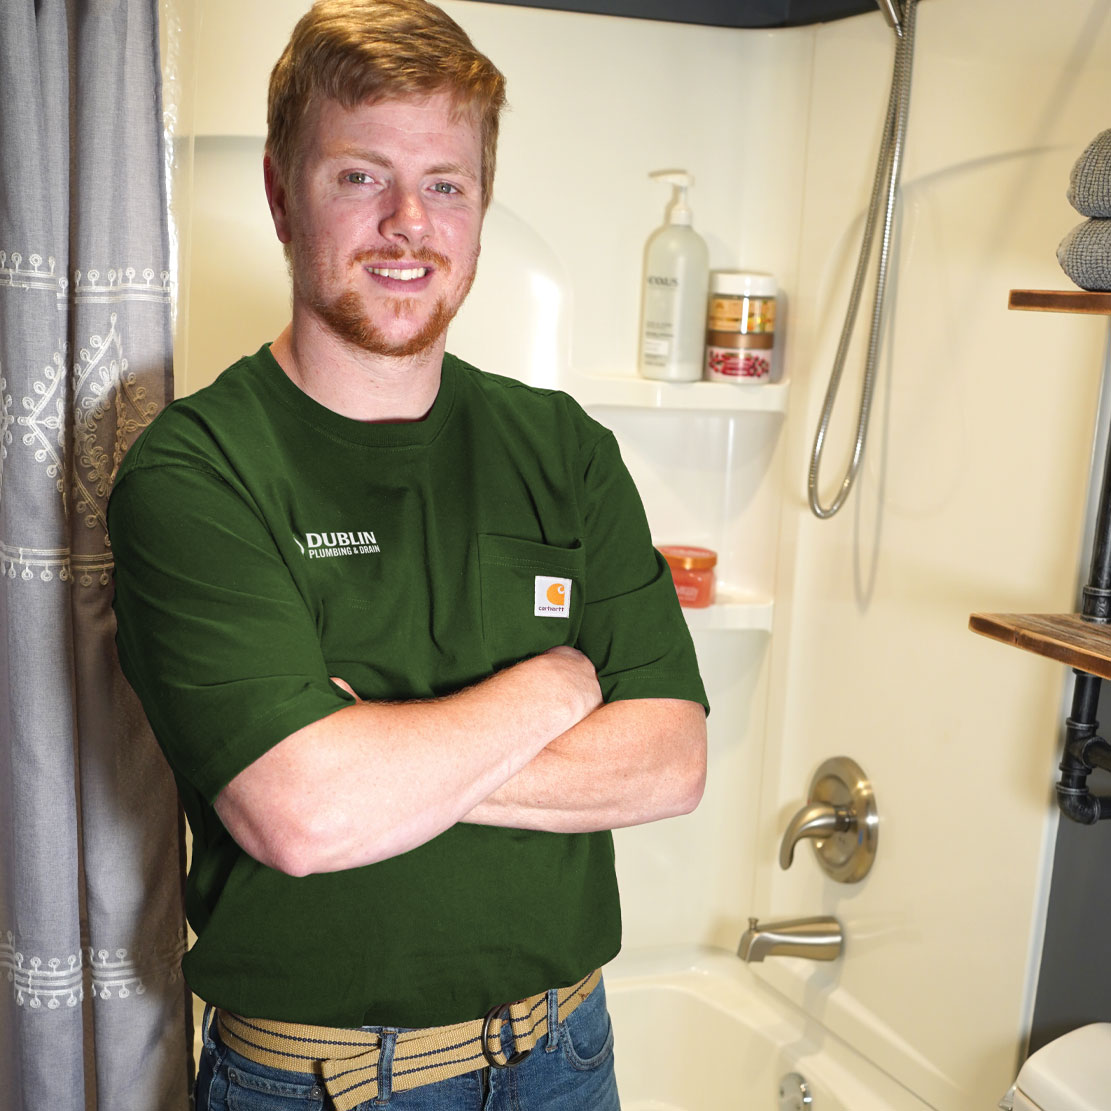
532,596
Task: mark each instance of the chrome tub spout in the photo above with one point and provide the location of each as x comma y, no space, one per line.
816,939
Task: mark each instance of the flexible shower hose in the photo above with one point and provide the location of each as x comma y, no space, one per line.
884,192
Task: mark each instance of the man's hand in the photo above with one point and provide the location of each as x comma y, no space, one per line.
574,674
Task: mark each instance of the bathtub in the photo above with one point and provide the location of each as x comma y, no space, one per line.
695,1030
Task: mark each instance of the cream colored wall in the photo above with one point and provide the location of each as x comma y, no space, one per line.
972,493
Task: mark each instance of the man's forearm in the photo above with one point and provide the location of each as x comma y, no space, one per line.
627,763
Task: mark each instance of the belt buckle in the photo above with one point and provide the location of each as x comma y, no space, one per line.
500,1011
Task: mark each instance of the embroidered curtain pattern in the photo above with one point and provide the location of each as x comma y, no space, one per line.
93,1011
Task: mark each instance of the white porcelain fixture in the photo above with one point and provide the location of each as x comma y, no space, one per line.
1071,1073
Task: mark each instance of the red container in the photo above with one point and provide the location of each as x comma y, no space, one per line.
692,570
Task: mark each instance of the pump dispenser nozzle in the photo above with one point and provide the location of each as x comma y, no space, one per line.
679,212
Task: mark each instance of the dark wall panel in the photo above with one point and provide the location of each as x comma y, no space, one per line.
715,13
1074,985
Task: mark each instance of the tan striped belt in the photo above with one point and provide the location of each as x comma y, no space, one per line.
348,1060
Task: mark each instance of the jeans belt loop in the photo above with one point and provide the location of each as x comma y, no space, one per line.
206,1024
386,1049
553,1021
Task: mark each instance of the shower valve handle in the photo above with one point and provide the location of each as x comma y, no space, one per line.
840,820
816,821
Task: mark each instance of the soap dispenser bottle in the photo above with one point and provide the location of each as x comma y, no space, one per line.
676,283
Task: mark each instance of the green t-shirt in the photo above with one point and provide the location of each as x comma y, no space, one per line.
264,543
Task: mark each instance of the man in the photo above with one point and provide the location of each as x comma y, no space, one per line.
400,630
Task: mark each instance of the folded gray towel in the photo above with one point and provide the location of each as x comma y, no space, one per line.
1085,254
1090,181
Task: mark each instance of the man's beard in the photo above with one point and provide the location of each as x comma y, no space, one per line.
346,317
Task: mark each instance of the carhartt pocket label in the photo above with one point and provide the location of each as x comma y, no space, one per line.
552,597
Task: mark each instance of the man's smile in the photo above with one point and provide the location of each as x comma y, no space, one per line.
399,275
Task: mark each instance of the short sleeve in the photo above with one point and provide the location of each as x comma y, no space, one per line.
633,628
212,631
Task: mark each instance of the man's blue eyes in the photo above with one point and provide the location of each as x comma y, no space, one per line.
358,177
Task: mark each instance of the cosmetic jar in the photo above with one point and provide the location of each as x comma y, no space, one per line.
692,570
740,326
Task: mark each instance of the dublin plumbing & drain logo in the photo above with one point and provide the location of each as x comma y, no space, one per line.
328,545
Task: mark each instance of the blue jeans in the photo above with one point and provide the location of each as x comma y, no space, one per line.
572,1071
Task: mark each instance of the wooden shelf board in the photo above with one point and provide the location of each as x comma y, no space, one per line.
1065,637
1060,300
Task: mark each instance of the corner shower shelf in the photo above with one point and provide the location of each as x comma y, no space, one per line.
628,392
1065,637
733,610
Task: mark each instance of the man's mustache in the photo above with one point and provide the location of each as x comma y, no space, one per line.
422,255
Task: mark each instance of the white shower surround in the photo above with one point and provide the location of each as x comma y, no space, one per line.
972,495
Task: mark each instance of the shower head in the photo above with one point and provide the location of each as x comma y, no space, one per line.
891,13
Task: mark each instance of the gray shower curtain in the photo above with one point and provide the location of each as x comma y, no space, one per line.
93,1011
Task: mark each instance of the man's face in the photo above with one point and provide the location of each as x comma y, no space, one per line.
383,225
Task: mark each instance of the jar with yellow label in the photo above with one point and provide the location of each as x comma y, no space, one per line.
740,326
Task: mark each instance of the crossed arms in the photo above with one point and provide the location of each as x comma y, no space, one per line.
531,747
